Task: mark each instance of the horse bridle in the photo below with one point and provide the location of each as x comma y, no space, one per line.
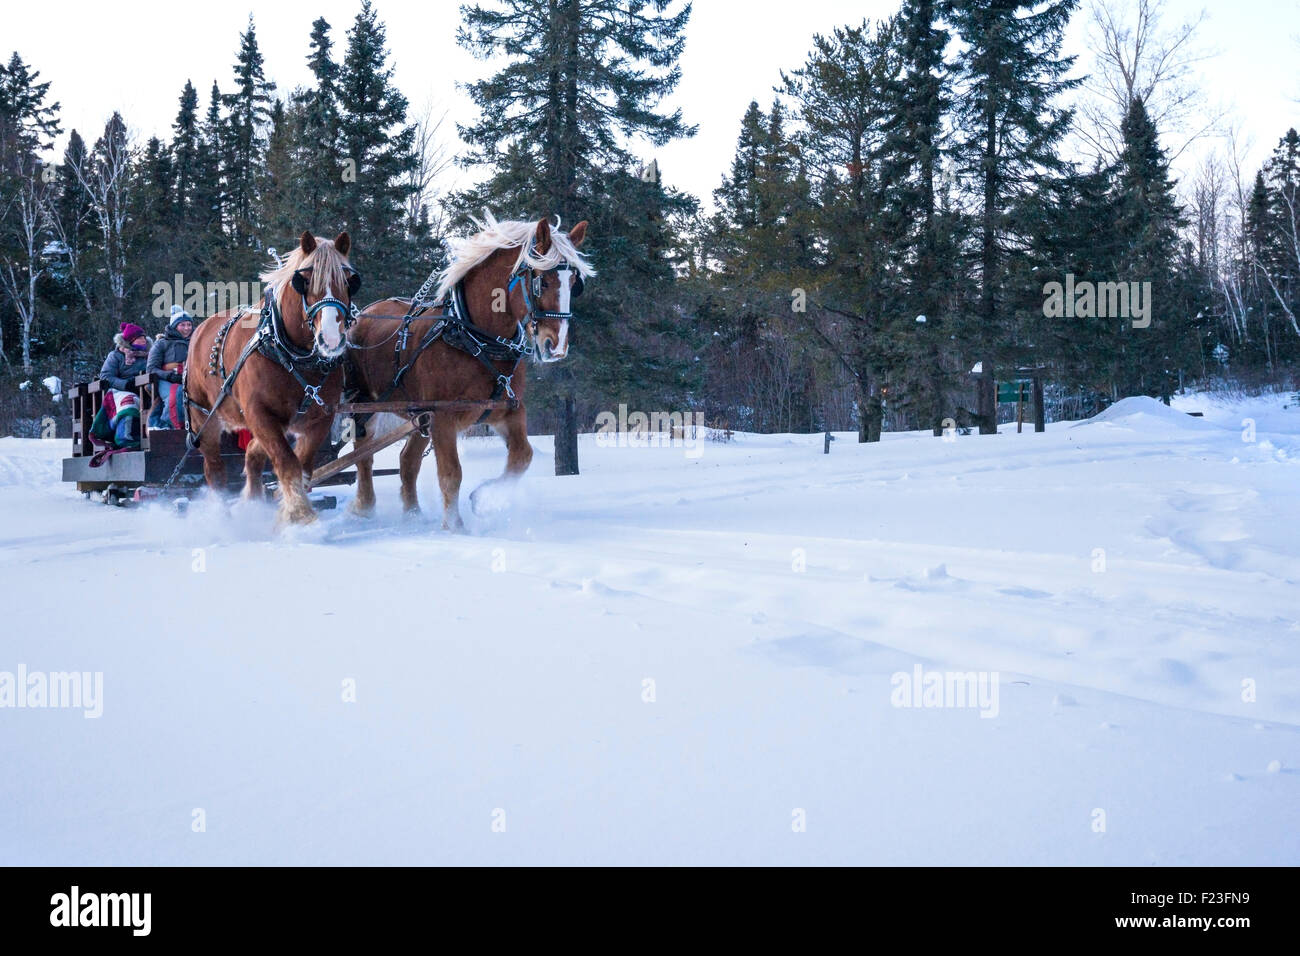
535,285
349,311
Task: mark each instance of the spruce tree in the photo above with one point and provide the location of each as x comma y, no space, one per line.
1008,130
321,167
72,223
1146,229
579,81
737,197
247,124
186,146
282,188
209,186
376,147
28,124
911,159
840,98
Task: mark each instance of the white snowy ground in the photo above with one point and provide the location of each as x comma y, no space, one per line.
501,676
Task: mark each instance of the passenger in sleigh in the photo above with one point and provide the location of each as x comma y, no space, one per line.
129,358
116,426
166,365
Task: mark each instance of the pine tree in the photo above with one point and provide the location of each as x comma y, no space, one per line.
572,119
376,144
1146,228
1277,234
761,245
186,146
283,190
154,214
1073,234
1011,73
737,197
839,96
28,124
71,224
246,128
319,159
579,81
911,158
209,185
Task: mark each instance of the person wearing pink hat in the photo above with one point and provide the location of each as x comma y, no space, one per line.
129,358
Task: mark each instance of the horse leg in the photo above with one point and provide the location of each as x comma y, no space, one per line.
294,506
214,466
519,452
449,474
411,458
254,462
309,441
363,504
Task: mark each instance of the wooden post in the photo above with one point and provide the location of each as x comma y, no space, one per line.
1020,407
987,400
566,436
875,412
1040,413
826,445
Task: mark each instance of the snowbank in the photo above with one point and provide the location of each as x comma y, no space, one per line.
1142,411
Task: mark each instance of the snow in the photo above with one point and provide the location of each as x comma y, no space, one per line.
1143,412
681,654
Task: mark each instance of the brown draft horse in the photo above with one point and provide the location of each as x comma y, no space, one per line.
265,397
510,273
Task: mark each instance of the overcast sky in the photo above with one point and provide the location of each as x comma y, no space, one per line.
136,56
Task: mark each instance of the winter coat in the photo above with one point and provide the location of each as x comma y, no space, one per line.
170,347
119,371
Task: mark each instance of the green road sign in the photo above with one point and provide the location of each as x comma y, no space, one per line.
1013,391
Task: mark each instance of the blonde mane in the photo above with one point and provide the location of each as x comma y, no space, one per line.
327,270
470,252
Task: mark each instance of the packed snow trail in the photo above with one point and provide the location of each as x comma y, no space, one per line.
684,658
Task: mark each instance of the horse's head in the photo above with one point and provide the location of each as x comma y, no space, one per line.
551,291
319,273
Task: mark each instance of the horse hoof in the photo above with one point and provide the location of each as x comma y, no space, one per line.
298,516
361,511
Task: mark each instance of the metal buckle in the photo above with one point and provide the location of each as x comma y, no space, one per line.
313,392
504,382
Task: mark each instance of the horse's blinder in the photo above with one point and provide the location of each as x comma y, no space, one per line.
299,283
574,292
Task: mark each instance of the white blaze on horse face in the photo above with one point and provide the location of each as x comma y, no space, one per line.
566,278
561,348
331,325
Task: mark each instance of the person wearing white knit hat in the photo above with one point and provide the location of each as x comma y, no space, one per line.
166,362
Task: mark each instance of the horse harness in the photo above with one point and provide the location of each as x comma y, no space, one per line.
457,329
271,340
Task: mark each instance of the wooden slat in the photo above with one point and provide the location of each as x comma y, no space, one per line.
416,408
366,450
